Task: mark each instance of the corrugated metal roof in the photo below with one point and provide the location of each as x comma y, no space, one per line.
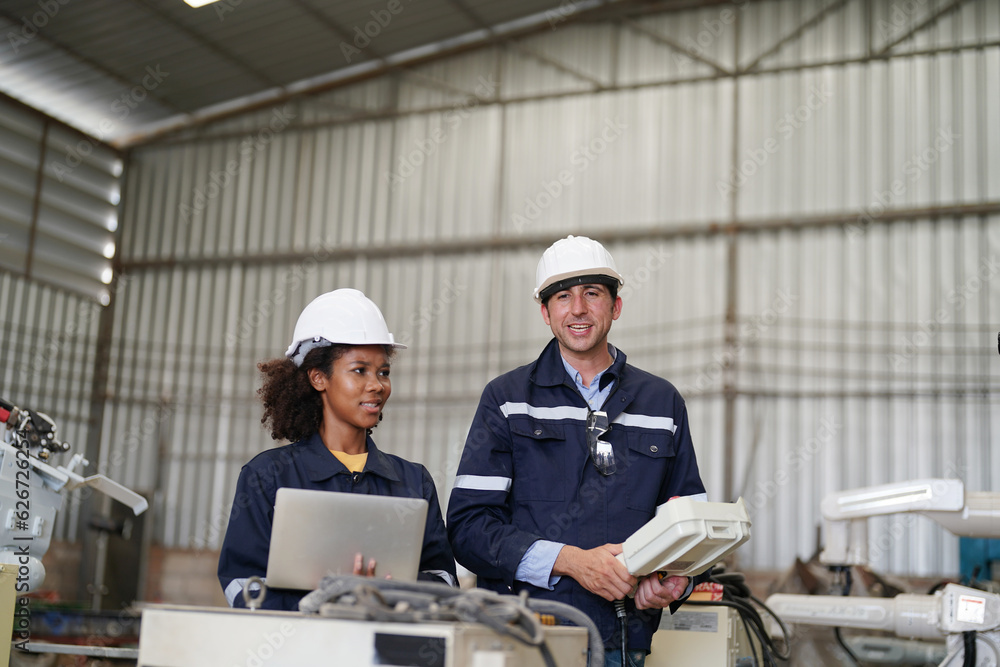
120,70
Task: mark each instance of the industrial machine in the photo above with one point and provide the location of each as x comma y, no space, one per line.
964,616
32,489
359,621
362,621
968,618
945,501
701,636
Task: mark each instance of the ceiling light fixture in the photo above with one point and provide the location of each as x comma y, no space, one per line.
200,3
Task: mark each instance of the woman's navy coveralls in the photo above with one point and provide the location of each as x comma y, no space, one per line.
308,464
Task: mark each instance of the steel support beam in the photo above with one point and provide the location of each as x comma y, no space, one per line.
663,231
387,114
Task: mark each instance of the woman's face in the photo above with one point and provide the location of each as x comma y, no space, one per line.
357,388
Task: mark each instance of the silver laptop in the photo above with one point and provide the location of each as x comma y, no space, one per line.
318,533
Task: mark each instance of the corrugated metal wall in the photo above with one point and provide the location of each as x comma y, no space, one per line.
808,227
58,196
48,340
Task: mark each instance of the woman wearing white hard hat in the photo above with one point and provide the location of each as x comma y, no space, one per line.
326,396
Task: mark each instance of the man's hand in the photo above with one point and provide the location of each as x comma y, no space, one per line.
596,569
655,594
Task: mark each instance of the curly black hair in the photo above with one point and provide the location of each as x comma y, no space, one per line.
293,410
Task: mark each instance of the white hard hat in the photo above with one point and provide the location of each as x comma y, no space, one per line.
568,260
344,316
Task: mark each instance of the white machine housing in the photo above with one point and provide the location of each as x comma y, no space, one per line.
952,610
695,635
686,537
177,636
945,501
23,542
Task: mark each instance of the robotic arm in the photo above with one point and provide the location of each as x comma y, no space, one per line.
959,613
949,613
31,489
945,501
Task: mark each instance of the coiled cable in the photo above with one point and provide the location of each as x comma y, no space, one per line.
736,595
362,598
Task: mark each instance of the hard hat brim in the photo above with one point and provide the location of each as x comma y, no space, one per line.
559,282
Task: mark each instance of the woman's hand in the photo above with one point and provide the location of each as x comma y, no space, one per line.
359,570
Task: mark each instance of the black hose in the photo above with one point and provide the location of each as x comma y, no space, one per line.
543,648
969,640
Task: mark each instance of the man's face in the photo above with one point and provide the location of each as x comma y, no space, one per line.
581,316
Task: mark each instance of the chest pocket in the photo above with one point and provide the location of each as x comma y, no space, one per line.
651,459
540,454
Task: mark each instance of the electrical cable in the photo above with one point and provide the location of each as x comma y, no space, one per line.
969,646
550,661
845,647
623,629
414,602
845,591
980,638
736,595
748,627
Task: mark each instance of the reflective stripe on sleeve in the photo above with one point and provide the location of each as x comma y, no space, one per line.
482,483
234,588
646,421
560,412
446,576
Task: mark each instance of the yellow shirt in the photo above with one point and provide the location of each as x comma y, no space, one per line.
353,462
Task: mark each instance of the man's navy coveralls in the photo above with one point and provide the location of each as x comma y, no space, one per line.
526,475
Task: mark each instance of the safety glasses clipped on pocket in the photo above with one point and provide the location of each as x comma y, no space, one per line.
600,451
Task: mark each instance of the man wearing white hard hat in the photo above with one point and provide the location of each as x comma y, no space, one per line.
571,454
326,396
